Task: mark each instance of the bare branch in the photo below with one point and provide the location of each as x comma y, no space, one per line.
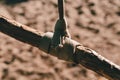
84,56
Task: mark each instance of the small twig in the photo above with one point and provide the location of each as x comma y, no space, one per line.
84,56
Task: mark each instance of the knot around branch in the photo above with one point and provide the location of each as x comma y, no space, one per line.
66,52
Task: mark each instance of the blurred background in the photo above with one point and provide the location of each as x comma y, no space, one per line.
94,23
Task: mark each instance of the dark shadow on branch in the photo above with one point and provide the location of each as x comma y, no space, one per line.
10,2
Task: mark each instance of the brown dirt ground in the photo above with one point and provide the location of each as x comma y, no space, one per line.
94,23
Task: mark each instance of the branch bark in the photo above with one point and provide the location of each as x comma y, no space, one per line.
84,56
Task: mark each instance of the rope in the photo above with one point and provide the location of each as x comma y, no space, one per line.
61,9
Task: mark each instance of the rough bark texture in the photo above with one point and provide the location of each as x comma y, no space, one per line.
84,56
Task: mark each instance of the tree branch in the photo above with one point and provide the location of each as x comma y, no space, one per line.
84,56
